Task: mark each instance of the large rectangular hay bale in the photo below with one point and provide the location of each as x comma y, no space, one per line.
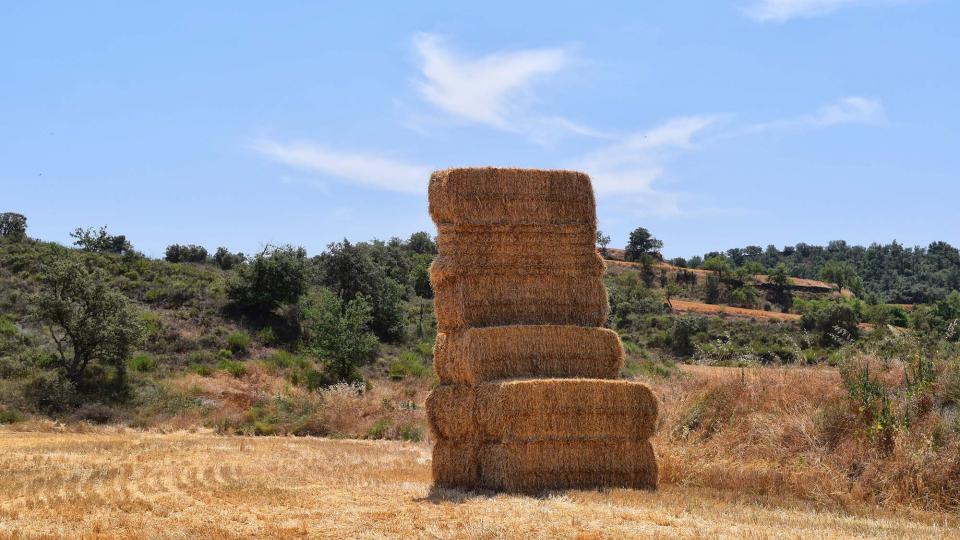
490,196
503,352
476,300
455,464
544,465
513,244
543,409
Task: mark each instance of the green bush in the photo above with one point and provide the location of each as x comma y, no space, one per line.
51,392
203,370
143,362
238,343
267,336
10,416
379,429
407,365
409,432
237,369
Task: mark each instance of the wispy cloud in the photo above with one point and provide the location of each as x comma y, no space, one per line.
632,165
495,89
846,110
785,10
362,168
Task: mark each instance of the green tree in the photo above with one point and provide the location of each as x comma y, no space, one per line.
349,270
13,226
101,241
841,274
226,260
641,242
338,333
421,242
717,264
602,242
177,253
277,276
86,319
779,282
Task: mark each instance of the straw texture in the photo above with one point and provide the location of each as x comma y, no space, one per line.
543,409
498,352
531,467
527,400
493,196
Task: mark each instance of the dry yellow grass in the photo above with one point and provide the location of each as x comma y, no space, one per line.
114,484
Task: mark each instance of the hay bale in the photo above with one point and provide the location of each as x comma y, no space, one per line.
455,464
544,465
493,196
510,245
585,267
501,352
543,409
478,300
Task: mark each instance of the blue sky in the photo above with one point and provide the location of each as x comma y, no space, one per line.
715,124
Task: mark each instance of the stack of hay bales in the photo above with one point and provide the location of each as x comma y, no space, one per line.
527,399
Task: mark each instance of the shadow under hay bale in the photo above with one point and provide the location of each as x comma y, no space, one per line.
498,352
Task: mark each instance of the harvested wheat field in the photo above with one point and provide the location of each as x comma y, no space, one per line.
115,484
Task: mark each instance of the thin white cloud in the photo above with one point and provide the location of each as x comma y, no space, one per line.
631,166
362,168
487,90
785,10
846,110
493,90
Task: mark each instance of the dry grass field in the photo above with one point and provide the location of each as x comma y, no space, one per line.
125,484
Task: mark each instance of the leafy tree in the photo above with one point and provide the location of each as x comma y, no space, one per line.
277,276
712,292
840,274
13,226
630,300
86,319
641,243
421,279
350,270
717,264
835,321
338,333
226,260
421,242
684,330
602,242
646,269
100,241
177,253
779,283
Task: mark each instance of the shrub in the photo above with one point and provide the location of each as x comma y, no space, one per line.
10,416
409,432
267,336
201,369
237,369
684,330
379,429
143,362
50,392
177,253
836,322
407,365
95,413
238,343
